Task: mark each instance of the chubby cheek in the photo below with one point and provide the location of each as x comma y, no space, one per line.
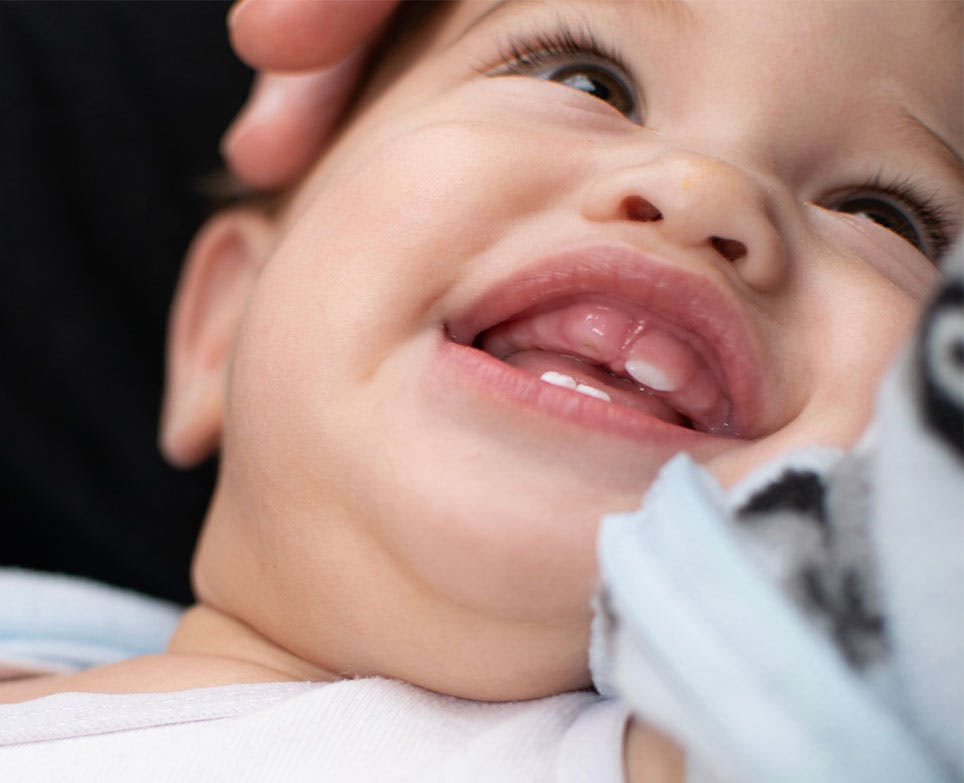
861,322
376,243
852,323
327,420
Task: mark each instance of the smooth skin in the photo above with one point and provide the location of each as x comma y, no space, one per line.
400,525
318,380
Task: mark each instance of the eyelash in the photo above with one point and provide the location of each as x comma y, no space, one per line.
935,216
539,47
521,55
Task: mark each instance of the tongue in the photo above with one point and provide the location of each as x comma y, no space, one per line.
638,361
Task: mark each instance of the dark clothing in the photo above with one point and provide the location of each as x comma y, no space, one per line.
110,113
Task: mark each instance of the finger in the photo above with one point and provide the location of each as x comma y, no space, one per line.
285,123
294,35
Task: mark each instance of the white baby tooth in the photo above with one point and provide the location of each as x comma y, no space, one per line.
558,379
568,382
590,391
650,375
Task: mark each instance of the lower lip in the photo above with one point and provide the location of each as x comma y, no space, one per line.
484,376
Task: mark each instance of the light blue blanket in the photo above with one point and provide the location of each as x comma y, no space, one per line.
809,625
57,623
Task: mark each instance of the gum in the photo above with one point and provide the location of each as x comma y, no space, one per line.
611,336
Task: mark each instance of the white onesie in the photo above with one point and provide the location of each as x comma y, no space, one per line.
354,731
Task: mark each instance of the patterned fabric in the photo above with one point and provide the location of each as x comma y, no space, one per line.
861,599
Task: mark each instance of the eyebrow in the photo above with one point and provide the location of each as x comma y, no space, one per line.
490,11
912,125
675,10
494,10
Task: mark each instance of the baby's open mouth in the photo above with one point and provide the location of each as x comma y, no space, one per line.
619,353
642,336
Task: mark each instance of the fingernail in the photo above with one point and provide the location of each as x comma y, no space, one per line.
229,141
266,101
235,10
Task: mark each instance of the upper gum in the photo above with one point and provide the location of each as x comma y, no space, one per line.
635,320
609,333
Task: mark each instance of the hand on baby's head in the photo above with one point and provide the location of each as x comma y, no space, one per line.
309,55
551,248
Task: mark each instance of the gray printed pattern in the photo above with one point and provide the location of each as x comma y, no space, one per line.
810,530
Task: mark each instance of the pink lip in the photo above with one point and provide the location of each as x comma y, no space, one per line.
689,301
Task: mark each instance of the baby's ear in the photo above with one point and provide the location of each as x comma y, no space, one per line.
219,272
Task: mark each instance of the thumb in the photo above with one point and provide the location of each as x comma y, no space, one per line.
295,35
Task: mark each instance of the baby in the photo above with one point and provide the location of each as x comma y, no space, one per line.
554,245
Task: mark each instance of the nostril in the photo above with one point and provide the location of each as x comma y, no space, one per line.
730,249
637,208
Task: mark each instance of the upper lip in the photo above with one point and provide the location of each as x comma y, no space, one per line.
692,302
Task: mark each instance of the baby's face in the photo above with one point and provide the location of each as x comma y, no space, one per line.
570,240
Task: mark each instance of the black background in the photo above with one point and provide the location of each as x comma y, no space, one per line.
110,113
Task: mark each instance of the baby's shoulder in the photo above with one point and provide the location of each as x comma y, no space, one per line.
145,674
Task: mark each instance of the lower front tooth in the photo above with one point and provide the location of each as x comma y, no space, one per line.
568,382
558,379
590,391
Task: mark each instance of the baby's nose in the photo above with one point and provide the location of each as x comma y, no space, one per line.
697,203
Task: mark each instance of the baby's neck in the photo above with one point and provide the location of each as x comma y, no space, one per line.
208,649
208,632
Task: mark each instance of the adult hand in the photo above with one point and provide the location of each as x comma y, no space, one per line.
308,54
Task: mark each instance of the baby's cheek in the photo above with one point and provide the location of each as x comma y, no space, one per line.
457,169
456,185
879,248
869,320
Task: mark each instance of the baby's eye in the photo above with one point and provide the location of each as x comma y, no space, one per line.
576,59
898,210
882,211
596,80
